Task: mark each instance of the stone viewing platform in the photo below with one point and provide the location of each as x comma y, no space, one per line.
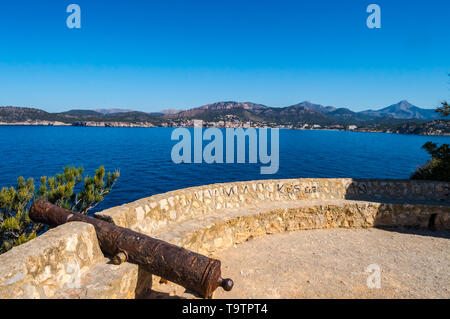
320,236
331,263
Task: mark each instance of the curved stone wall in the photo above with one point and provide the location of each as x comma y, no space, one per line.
153,214
210,218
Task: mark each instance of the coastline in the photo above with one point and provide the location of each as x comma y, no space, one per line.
150,125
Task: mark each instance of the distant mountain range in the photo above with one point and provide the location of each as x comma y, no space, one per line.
404,110
11,114
170,111
113,111
304,112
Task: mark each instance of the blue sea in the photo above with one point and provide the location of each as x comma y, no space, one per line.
143,156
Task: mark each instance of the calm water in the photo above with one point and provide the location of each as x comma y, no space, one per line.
143,157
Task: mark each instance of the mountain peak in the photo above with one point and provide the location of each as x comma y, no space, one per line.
404,103
171,111
316,107
232,105
112,111
403,110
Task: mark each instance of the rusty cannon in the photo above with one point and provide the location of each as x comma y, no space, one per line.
191,270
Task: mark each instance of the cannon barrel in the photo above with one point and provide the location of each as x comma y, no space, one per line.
189,269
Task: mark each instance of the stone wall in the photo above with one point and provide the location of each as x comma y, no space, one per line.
210,218
43,266
66,262
150,214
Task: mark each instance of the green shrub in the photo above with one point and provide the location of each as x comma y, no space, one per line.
71,190
438,167
444,109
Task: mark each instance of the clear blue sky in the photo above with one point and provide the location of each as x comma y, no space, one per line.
152,55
